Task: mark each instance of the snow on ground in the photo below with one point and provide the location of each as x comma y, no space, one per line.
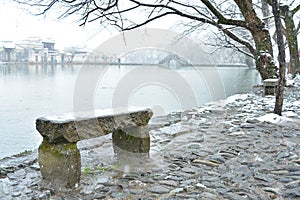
296,103
274,118
237,97
250,108
261,108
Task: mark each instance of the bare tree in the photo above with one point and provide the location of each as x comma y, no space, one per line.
227,15
291,31
281,58
291,36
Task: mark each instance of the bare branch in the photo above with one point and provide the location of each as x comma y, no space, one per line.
147,21
298,27
221,18
238,39
295,10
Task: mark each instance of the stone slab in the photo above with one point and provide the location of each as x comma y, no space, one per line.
71,128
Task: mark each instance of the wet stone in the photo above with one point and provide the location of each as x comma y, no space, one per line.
188,170
272,190
12,176
262,177
174,167
248,126
233,196
99,196
14,183
16,194
252,121
44,196
102,180
188,196
177,190
160,177
136,191
99,187
195,146
217,158
4,189
213,185
159,189
285,180
86,192
222,191
20,173
210,178
190,188
292,193
188,182
31,175
35,166
208,195
168,183
293,184
174,178
28,191
282,155
118,195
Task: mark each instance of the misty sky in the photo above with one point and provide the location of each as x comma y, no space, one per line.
18,24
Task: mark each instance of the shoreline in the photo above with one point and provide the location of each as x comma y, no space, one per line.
221,150
124,64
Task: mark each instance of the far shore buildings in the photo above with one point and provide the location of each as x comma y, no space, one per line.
38,50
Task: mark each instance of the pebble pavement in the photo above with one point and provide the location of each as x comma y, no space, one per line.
217,151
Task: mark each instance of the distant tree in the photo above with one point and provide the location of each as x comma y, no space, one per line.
227,15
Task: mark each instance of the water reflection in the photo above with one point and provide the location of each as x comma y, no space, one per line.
30,91
36,69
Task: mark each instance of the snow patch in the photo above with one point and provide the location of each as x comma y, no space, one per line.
273,118
296,103
93,114
237,97
289,114
173,129
237,133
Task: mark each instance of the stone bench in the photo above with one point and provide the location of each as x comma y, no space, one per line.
270,86
59,157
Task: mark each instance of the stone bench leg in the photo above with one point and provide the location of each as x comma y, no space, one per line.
133,139
60,165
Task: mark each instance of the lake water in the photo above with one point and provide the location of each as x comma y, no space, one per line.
31,91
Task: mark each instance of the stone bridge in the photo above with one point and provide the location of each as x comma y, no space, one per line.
172,57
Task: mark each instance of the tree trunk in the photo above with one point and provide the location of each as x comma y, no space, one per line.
281,58
261,37
291,36
263,42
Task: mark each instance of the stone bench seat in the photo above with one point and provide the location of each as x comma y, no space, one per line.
73,127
